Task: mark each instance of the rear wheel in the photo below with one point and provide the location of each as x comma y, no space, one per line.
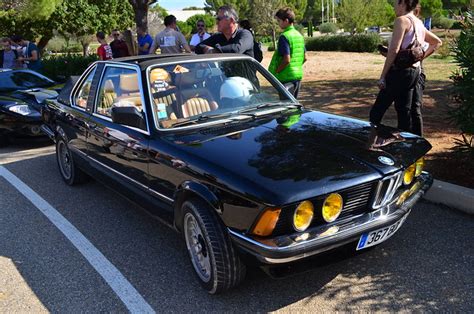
69,171
214,259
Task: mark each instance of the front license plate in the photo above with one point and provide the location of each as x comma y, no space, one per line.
378,236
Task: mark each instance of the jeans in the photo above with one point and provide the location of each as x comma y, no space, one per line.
399,88
417,105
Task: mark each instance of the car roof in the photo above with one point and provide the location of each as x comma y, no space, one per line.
147,60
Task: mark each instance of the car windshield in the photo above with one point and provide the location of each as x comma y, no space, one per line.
196,92
21,80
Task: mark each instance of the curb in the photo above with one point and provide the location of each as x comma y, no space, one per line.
452,195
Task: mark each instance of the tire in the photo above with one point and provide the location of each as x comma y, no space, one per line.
70,173
213,257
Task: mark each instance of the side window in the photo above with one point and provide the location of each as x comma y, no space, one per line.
119,87
83,95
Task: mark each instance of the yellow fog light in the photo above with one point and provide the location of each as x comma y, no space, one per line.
332,207
303,216
402,198
409,174
420,164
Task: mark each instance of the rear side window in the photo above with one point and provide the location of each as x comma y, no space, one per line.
84,91
119,87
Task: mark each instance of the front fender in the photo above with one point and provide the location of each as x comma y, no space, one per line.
189,189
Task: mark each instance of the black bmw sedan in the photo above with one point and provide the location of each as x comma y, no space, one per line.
22,93
218,149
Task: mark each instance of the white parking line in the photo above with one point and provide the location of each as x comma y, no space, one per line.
114,278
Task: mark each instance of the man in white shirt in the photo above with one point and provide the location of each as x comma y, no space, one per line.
170,40
200,35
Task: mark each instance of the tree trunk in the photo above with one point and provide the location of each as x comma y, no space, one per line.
85,49
274,39
141,13
43,42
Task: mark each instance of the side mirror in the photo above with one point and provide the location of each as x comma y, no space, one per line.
128,116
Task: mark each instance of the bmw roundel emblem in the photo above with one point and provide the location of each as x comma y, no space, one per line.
386,160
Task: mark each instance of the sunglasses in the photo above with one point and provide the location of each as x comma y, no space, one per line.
220,18
200,25
115,35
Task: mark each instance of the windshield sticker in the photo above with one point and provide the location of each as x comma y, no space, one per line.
180,69
162,114
160,85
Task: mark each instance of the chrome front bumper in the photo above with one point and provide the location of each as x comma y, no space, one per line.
289,248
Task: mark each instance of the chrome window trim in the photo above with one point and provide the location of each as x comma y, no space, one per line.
140,89
124,176
75,89
224,58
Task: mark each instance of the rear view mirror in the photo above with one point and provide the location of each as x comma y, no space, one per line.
129,116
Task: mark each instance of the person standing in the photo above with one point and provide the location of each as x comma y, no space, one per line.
288,58
118,45
397,84
31,56
144,41
230,38
170,40
8,56
103,51
200,36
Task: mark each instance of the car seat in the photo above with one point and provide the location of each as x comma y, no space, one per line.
195,99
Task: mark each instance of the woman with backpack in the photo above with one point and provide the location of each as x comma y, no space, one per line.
402,65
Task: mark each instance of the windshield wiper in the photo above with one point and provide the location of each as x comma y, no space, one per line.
200,118
270,104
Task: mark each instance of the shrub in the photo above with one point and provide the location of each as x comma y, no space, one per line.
60,68
355,43
442,22
300,28
327,28
463,78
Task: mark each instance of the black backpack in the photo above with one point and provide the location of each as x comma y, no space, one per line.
257,51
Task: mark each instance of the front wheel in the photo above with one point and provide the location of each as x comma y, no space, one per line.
70,173
214,259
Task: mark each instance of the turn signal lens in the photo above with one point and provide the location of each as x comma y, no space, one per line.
267,222
420,164
409,174
303,216
332,207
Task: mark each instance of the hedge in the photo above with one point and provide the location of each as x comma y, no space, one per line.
61,67
353,43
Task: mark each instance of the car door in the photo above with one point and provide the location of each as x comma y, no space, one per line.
120,150
73,124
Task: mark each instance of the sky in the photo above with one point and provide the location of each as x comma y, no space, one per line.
179,4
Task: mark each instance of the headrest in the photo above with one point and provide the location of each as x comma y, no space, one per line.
109,86
129,83
159,74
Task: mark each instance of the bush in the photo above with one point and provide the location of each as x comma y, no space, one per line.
355,43
463,79
300,28
327,28
60,68
442,22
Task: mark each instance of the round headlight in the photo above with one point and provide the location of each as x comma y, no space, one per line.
303,216
332,207
419,165
409,174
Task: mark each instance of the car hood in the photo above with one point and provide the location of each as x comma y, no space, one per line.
298,155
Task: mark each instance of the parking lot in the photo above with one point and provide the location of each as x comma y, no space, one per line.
86,248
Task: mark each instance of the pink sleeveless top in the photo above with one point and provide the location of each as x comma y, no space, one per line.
410,34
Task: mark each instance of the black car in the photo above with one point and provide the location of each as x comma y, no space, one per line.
22,93
217,148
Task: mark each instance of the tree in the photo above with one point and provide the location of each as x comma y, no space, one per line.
262,17
299,7
356,15
431,7
140,7
242,7
192,8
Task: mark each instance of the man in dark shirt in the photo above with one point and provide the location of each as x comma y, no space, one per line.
118,45
32,56
229,39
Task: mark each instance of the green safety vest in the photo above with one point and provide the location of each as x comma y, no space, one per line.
294,70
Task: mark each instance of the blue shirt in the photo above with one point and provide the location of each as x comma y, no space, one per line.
142,41
284,46
33,65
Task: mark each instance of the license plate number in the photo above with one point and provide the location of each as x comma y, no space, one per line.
378,236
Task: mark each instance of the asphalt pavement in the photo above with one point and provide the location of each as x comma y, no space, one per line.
426,266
